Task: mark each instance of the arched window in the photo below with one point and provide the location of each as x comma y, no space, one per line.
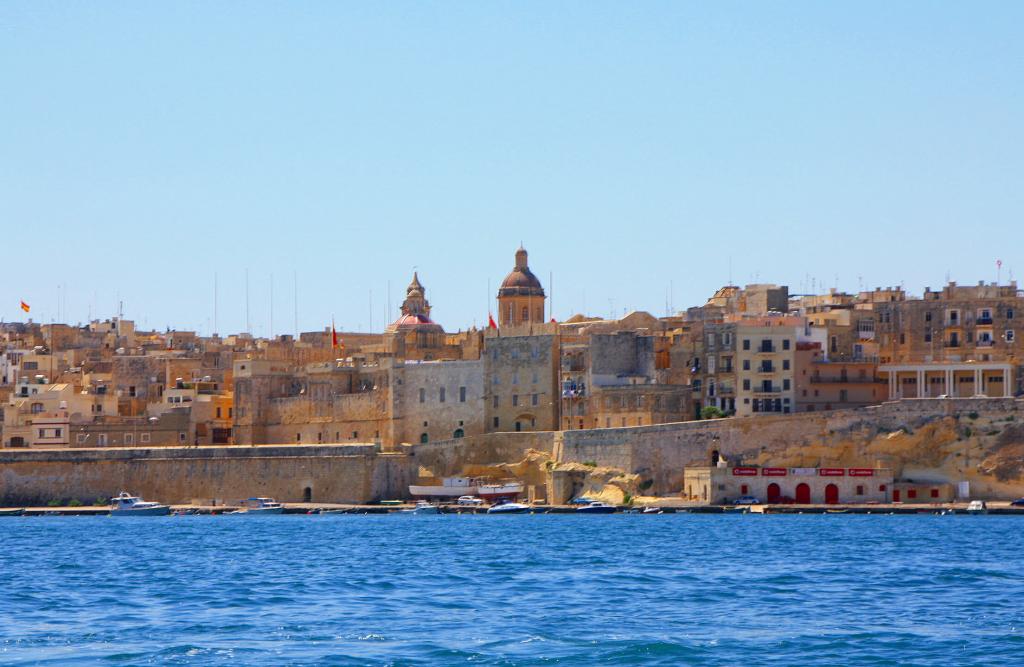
424,438
526,314
458,433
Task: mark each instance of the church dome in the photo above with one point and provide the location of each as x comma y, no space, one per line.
521,281
415,311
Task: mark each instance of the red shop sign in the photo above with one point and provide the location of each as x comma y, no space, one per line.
861,472
774,472
744,472
831,472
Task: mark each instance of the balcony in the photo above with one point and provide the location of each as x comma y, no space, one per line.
766,349
985,343
983,320
762,391
766,370
844,379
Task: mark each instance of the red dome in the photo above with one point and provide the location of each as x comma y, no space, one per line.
418,322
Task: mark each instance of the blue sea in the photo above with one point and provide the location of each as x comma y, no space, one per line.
512,590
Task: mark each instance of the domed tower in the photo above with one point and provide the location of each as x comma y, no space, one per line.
520,297
415,312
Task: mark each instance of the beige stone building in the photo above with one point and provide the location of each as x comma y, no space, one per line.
717,485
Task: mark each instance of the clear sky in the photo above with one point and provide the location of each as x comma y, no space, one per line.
631,147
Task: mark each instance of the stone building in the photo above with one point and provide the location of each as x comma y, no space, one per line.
717,485
521,371
824,384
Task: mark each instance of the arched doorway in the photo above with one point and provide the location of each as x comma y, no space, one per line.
803,493
831,494
424,438
774,493
458,433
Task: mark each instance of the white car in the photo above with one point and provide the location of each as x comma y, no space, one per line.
470,500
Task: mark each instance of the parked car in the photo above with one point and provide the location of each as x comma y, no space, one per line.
746,500
470,500
1018,503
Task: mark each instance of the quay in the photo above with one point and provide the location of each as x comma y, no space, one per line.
994,508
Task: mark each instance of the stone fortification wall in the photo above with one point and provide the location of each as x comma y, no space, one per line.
331,473
879,435
448,457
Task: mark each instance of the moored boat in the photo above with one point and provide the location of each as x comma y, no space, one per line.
422,507
509,508
260,506
596,507
509,490
125,504
977,507
15,511
450,487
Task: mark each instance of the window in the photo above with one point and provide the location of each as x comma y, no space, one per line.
81,438
785,364
928,337
515,378
928,317
1009,313
37,408
911,493
727,339
881,487
526,314
785,384
218,413
534,378
746,364
494,400
711,364
1009,335
746,343
131,390
496,422
935,493
423,395
860,489
534,399
785,344
462,394
101,439
440,394
129,438
231,413
515,353
515,400
746,385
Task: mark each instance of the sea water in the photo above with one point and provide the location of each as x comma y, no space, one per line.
512,590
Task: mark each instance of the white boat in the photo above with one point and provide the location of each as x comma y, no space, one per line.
652,510
502,490
422,507
450,487
260,506
125,504
977,507
509,508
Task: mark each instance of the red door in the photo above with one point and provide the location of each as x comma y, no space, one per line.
803,494
831,494
895,495
774,492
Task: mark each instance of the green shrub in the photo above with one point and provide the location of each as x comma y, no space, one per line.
994,431
968,431
100,501
590,464
711,412
53,503
74,502
627,499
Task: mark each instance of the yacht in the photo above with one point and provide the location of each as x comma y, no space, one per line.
260,506
596,507
422,507
125,504
509,508
977,507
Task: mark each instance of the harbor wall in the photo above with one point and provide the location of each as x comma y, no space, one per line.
920,434
293,473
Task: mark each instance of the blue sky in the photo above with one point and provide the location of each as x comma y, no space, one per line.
631,147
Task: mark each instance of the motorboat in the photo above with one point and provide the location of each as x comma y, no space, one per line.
652,510
977,507
18,511
260,506
597,507
509,508
125,504
422,507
